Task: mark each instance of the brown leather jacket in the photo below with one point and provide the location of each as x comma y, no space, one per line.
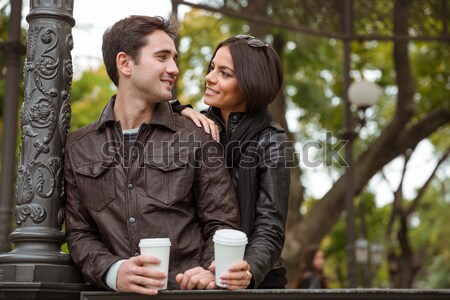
173,184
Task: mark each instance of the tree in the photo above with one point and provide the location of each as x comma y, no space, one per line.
404,261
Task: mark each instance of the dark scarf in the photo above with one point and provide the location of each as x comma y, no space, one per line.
241,152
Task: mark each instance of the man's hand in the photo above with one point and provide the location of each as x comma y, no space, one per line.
202,121
196,278
134,277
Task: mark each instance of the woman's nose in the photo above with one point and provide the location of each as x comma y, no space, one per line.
210,77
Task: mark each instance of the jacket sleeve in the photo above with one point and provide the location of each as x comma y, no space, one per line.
90,255
177,107
267,239
214,194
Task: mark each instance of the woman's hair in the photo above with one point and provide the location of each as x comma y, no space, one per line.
129,35
306,265
258,70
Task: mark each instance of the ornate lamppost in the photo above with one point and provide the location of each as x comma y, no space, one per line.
36,265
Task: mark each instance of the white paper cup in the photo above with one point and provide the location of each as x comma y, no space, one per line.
160,248
229,247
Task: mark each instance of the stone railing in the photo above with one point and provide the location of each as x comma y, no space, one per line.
329,294
67,291
325,294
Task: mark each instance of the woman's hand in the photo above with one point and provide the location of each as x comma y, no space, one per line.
237,277
202,121
196,278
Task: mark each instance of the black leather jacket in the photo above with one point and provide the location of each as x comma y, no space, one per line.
263,251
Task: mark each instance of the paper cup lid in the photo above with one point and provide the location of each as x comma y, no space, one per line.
156,242
230,237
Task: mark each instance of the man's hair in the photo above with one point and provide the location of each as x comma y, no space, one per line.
258,71
129,35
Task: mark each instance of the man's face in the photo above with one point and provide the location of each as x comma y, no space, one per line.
155,71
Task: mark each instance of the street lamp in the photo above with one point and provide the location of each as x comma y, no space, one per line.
376,254
370,257
362,250
362,94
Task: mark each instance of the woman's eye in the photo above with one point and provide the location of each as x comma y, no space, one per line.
225,74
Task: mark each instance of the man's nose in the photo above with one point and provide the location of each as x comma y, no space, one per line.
172,68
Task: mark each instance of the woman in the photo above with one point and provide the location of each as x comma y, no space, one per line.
244,77
310,274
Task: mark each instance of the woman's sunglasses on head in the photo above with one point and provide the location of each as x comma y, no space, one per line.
252,41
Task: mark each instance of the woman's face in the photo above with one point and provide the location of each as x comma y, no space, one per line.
222,90
318,260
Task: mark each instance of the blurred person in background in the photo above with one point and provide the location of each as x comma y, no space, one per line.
310,273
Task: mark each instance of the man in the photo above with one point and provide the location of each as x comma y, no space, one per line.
141,171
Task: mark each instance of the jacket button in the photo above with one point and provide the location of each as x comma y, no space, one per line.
132,220
130,186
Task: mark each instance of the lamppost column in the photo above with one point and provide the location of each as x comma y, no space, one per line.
44,120
348,129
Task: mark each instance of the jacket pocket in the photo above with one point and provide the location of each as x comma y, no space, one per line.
165,178
97,184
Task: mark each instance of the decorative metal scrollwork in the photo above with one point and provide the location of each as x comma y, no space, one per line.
64,117
32,179
36,212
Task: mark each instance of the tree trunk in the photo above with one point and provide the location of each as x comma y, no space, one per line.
278,109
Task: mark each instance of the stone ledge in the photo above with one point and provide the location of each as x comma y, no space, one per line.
66,291
329,294
41,290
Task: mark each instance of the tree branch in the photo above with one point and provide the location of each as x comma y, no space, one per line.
421,192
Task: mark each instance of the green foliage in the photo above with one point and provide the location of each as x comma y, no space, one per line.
310,80
431,67
439,271
430,231
89,95
335,255
3,39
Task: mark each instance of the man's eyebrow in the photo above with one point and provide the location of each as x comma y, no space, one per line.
165,51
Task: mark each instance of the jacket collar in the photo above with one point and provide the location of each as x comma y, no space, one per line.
163,115
233,120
